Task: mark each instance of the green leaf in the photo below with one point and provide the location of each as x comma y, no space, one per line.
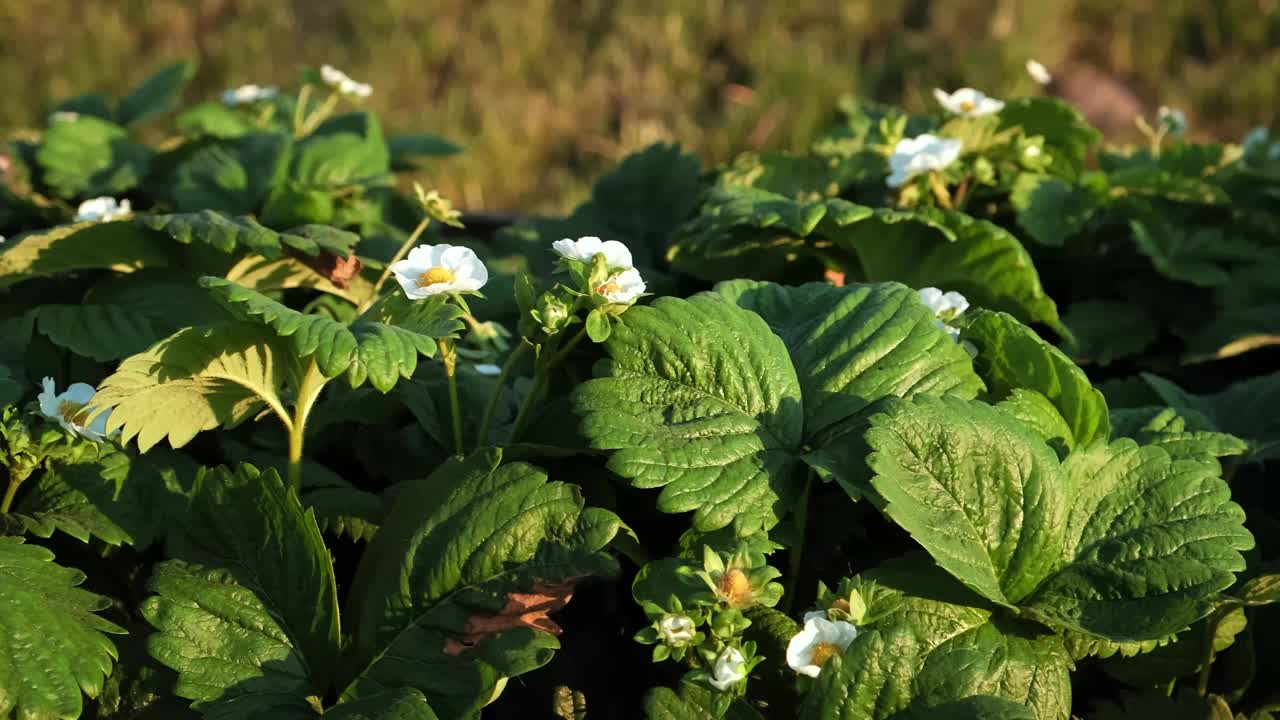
1148,542
1165,428
108,500
249,617
598,328
157,95
1245,409
409,151
1051,210
369,349
975,488
1068,137
344,150
1011,356
976,707
88,157
12,387
401,704
462,553
101,332
196,379
1036,412
288,206
699,398
213,119
1200,256
695,702
1235,331
346,511
82,246
1105,331
228,176
801,177
54,644
854,345
223,233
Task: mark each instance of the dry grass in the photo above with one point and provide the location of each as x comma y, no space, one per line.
546,93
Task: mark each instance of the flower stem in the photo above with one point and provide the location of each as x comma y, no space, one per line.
540,377
940,190
314,119
1206,661
797,551
450,359
386,271
482,438
16,478
300,109
308,392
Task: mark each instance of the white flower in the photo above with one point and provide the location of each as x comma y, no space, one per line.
1173,119
616,254
488,369
246,94
1039,72
335,78
68,409
676,630
1032,151
921,154
622,288
729,669
102,209
819,641
64,116
945,306
968,102
434,269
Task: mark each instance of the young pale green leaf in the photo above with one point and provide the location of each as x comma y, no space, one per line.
382,347
213,119
157,95
80,246
88,156
1011,356
1148,542
196,379
854,345
53,645
700,398
977,489
452,594
101,332
249,614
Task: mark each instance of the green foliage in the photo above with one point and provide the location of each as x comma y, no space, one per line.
88,156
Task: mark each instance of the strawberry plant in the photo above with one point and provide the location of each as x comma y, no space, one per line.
960,416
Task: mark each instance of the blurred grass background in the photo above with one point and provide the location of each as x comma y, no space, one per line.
545,94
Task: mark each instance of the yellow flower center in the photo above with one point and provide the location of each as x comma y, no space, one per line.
824,652
609,288
435,276
734,587
967,105
72,412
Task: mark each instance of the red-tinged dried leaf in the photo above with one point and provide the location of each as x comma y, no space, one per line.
337,270
835,277
528,609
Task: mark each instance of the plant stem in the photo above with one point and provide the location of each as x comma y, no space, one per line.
450,360
308,392
939,190
386,271
300,109
540,377
482,438
1206,662
314,119
797,550
16,478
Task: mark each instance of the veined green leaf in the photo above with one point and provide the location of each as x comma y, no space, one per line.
1035,411
101,332
226,234
1244,409
228,176
80,246
1011,356
107,499
196,379
462,554
381,347
977,489
54,645
700,398
1148,542
344,150
1067,135
854,345
402,704
248,618
88,156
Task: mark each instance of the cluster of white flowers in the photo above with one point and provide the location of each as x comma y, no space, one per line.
968,102
247,95
1172,119
68,408
1039,73
819,641
921,154
340,81
102,209
624,284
